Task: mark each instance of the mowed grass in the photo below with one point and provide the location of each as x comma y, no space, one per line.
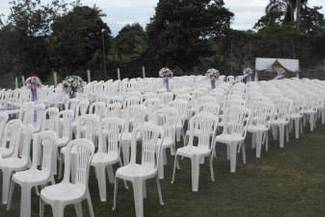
287,182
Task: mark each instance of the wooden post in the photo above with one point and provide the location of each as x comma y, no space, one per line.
88,76
143,72
16,82
55,78
118,74
23,80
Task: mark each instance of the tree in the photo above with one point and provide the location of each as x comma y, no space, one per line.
76,41
282,13
129,45
179,31
29,23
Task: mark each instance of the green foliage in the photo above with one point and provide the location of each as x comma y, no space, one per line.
179,31
76,40
129,44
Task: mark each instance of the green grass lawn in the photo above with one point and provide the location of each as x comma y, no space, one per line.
287,182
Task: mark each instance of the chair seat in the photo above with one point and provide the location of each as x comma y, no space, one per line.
13,163
34,176
62,141
105,158
257,128
294,116
188,151
5,152
132,171
279,122
65,192
229,138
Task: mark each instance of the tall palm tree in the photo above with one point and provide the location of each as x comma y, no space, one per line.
285,10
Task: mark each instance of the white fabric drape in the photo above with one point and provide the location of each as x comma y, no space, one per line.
263,64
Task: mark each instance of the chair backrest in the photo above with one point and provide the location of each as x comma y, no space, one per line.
82,108
98,108
110,135
169,117
151,141
210,107
71,104
51,119
261,113
78,156
113,110
22,150
87,126
11,133
3,121
166,97
44,146
203,126
183,108
67,117
235,119
131,101
282,108
136,115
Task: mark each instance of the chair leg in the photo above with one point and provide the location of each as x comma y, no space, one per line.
101,179
25,204
110,173
90,205
161,163
78,209
174,169
58,211
159,192
138,196
211,167
11,192
125,184
6,177
126,152
259,137
144,189
297,120
233,156
115,193
281,139
41,208
243,151
195,161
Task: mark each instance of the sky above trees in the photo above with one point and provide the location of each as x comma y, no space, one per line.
122,12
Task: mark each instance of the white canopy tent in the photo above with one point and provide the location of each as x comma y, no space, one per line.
266,64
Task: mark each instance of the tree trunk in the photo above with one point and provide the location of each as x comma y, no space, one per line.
298,18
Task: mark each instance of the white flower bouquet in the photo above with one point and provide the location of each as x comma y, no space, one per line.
213,74
72,83
33,82
166,73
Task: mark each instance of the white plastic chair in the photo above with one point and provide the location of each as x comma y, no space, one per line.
200,126
44,146
138,173
108,153
18,161
169,120
10,138
79,153
235,120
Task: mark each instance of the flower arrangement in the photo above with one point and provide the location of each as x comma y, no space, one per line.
72,84
213,74
33,82
166,73
247,71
